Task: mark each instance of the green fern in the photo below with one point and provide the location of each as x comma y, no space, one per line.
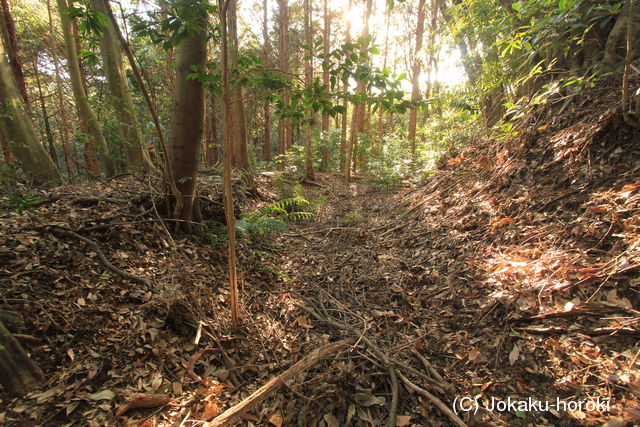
260,227
264,222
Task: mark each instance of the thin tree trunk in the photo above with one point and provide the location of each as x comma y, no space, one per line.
63,122
377,147
228,144
214,147
87,114
326,38
343,133
284,126
266,147
415,81
345,104
20,132
188,121
45,116
308,162
238,123
4,142
357,121
128,127
169,66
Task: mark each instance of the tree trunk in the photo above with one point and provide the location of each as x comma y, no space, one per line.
415,81
308,159
128,127
357,121
8,27
238,123
45,116
210,143
377,147
228,144
187,119
343,133
169,66
326,39
284,126
82,102
63,122
20,132
266,146
345,104
615,46
4,142
18,373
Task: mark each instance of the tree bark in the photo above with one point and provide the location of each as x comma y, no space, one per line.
188,119
128,127
377,147
45,116
18,373
8,27
20,132
345,104
308,159
223,6
87,114
615,46
266,146
238,118
284,126
415,81
63,122
326,39
359,109
210,143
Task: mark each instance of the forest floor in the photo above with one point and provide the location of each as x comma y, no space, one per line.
511,273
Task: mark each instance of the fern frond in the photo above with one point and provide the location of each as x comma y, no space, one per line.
295,216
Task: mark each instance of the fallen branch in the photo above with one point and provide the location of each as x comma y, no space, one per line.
439,403
386,360
393,408
598,332
59,231
431,369
591,309
274,384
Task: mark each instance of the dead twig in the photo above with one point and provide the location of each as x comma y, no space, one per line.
393,407
64,232
431,369
274,384
382,357
437,402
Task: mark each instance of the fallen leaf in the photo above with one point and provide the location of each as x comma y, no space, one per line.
249,416
515,353
473,355
331,420
276,419
210,411
403,420
102,395
142,400
368,399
